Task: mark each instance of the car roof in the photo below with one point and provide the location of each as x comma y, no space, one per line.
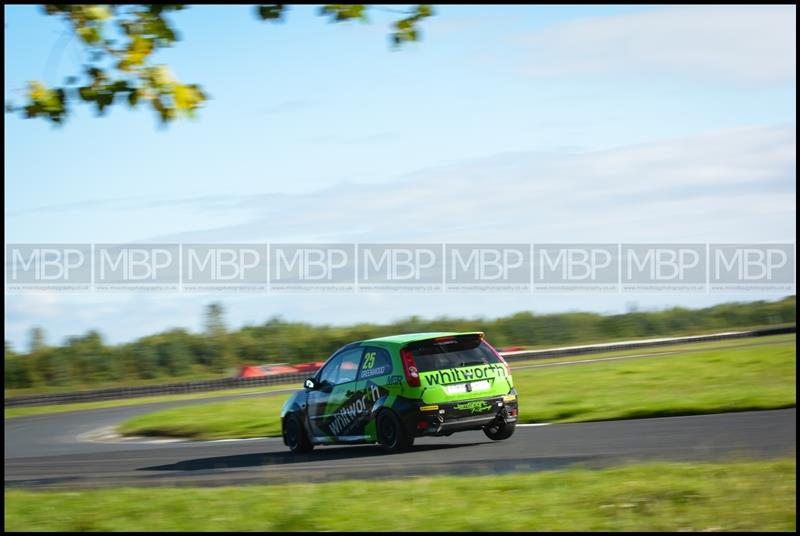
414,337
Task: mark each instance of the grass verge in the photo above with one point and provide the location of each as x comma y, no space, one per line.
700,382
740,496
713,381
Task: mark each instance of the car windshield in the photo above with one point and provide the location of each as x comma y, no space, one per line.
453,353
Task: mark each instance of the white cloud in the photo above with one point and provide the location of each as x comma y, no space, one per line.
728,185
748,44
734,184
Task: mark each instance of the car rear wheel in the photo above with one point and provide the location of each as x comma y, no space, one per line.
391,434
295,435
500,430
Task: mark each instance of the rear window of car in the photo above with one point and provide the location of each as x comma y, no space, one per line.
453,352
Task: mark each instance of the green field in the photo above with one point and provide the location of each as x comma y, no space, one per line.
742,496
708,381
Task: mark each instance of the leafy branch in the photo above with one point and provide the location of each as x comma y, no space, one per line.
120,42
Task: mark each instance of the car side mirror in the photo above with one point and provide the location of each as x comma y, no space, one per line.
310,384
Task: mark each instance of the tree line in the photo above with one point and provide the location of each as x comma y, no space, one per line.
87,361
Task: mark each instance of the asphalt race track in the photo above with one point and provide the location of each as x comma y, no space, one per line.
68,450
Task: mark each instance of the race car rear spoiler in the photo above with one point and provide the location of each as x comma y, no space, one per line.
458,337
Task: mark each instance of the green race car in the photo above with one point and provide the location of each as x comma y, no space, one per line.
391,390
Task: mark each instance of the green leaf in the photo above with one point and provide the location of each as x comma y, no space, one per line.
187,97
96,73
424,10
133,98
90,35
119,86
271,11
342,12
160,75
87,93
97,12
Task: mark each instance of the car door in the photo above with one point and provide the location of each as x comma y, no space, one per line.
318,398
336,384
373,378
344,403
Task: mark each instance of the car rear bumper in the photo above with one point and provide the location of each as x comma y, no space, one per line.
444,419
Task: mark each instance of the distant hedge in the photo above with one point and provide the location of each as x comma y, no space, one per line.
88,361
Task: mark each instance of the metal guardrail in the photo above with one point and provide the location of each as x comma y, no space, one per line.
152,390
236,383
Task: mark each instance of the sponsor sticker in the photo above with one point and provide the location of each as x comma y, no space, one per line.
481,406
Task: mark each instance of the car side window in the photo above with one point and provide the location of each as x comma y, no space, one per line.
348,367
376,362
331,370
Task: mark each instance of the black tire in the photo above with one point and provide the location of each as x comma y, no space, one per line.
294,434
391,434
500,430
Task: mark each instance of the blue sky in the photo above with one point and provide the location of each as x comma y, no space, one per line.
559,123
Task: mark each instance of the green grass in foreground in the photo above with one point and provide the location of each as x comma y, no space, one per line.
744,496
61,408
713,381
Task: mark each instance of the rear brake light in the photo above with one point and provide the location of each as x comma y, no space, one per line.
410,368
500,357
445,339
